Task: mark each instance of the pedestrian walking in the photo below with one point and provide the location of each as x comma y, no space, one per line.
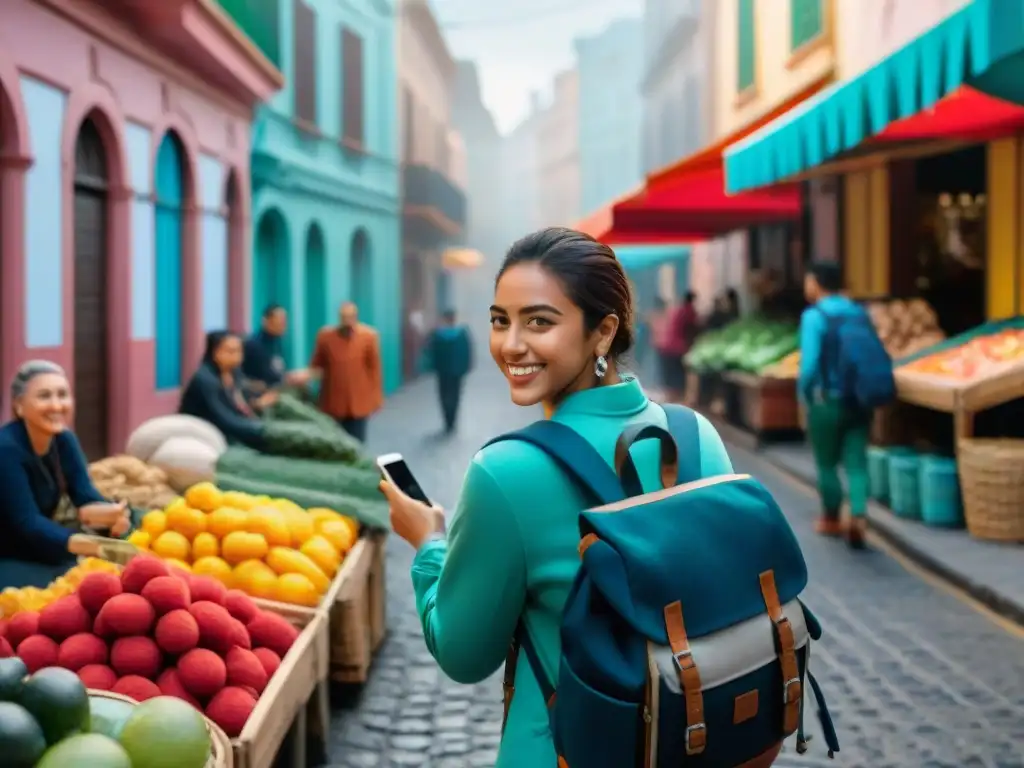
841,361
561,321
346,359
674,333
449,354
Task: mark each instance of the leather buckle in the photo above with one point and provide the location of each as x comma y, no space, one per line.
683,660
792,690
695,728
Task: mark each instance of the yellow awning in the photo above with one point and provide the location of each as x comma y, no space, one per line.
462,258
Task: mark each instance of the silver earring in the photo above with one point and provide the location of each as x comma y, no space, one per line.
601,366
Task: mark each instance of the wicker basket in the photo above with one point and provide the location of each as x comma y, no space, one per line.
220,752
993,487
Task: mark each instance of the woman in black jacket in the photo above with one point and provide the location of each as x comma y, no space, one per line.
215,392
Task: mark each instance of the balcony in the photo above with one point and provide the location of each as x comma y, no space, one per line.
434,208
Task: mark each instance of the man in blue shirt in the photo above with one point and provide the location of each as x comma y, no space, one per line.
838,433
263,365
449,354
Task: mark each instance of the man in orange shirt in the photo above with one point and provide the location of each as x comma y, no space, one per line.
346,358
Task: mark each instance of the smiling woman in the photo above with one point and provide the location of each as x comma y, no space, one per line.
560,321
48,496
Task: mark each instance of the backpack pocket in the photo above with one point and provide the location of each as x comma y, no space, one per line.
593,730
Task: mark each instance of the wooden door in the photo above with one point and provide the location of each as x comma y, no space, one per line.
90,344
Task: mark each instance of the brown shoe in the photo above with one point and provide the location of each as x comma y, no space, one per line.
856,531
828,526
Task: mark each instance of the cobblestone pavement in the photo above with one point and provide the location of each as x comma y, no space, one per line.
914,677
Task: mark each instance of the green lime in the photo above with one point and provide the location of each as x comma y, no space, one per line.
12,672
108,716
58,700
166,732
20,736
86,750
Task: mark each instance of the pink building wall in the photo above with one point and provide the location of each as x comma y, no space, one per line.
111,74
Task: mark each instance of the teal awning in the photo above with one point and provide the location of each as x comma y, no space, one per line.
979,46
637,257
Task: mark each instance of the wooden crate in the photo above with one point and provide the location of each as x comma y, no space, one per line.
298,685
377,590
350,635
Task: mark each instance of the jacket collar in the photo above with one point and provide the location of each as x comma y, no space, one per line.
627,398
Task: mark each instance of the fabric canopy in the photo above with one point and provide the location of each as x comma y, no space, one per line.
961,79
635,257
461,258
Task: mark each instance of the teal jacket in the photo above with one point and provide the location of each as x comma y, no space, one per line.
512,552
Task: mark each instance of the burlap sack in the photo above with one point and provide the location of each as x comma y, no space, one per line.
187,461
150,436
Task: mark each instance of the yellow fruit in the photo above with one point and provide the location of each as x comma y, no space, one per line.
271,524
261,500
140,539
238,500
215,567
204,496
187,521
205,545
287,560
255,578
320,514
338,534
171,545
154,523
300,526
176,502
173,562
323,554
239,546
296,589
286,505
225,520
353,525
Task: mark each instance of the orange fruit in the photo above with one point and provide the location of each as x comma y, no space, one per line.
225,520
255,578
205,545
238,500
140,539
286,560
353,525
154,523
204,496
239,546
187,521
319,514
338,534
296,589
173,562
215,567
271,524
300,526
171,545
286,505
323,554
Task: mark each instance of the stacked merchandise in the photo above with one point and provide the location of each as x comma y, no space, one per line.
748,345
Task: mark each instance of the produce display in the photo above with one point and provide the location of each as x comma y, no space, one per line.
749,344
15,600
50,720
786,368
155,630
267,547
299,430
978,357
905,327
127,478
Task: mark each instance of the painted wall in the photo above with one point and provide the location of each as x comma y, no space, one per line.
53,75
780,71
610,123
313,180
558,158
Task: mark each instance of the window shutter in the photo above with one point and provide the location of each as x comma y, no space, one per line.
746,47
352,84
304,79
806,21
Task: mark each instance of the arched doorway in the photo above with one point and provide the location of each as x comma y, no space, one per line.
361,280
272,273
315,295
91,356
170,202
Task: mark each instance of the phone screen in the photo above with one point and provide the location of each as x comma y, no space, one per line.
401,476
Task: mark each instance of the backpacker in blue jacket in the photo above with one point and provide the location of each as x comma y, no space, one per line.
862,369
684,642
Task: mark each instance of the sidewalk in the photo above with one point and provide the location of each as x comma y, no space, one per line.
991,573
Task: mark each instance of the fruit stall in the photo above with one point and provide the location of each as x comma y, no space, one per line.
964,376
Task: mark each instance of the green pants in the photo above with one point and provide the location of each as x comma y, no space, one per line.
839,436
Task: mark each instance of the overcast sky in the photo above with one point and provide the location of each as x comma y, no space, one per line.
519,46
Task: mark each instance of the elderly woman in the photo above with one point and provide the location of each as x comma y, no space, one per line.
215,393
47,494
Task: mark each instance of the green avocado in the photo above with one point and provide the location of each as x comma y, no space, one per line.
22,738
12,672
58,700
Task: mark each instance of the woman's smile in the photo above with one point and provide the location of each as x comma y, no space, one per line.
521,375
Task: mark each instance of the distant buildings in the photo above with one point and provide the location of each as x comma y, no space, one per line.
558,153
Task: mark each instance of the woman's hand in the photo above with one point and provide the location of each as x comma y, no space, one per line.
413,520
266,400
103,514
121,527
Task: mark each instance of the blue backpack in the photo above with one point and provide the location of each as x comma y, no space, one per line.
851,348
683,639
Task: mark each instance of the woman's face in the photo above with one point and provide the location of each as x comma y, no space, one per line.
539,339
228,355
47,404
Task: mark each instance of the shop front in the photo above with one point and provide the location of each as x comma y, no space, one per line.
925,145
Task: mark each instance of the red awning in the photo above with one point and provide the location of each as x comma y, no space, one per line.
686,202
966,114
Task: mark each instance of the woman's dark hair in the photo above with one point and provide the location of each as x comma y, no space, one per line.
591,276
213,341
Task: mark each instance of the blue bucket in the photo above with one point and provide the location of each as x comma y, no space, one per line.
905,485
878,473
941,504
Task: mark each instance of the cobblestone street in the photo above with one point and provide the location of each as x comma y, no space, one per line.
914,677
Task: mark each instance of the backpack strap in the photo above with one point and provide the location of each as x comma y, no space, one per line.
685,430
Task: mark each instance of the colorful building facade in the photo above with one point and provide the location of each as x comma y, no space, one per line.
326,170
124,156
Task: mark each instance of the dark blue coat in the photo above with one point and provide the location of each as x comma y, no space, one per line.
206,398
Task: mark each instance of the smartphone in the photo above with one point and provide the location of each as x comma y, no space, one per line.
394,468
